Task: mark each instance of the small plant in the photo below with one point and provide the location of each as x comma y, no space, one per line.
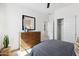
6,41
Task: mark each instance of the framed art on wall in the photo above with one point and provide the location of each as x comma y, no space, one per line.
28,22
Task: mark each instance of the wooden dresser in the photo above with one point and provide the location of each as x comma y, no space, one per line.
31,38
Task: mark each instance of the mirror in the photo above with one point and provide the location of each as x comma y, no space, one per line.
28,22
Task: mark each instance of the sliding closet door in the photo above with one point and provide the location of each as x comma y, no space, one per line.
69,29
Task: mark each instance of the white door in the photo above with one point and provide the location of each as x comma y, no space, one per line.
68,32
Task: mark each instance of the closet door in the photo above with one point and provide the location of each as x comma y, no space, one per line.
77,25
68,33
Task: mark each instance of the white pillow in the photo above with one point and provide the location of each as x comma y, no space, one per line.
76,47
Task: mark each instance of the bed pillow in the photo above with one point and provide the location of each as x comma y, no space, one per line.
76,47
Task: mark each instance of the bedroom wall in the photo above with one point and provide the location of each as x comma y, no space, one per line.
14,20
3,23
68,13
50,27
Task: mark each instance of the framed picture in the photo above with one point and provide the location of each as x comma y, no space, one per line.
28,22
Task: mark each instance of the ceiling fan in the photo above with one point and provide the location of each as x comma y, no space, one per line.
48,5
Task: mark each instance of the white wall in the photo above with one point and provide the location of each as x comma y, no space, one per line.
68,13
11,22
50,27
3,23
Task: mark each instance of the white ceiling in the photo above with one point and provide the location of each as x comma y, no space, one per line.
42,7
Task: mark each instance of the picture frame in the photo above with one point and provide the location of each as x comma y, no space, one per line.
28,22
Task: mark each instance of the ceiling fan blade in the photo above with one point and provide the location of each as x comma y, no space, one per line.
48,5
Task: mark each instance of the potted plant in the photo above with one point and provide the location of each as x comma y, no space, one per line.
6,49
6,41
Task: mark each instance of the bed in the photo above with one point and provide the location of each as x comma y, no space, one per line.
53,48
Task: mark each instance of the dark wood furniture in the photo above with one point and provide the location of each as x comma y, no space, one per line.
31,38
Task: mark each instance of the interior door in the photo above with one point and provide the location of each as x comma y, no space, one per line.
59,28
69,29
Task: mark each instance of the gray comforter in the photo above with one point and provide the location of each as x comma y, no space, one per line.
53,48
